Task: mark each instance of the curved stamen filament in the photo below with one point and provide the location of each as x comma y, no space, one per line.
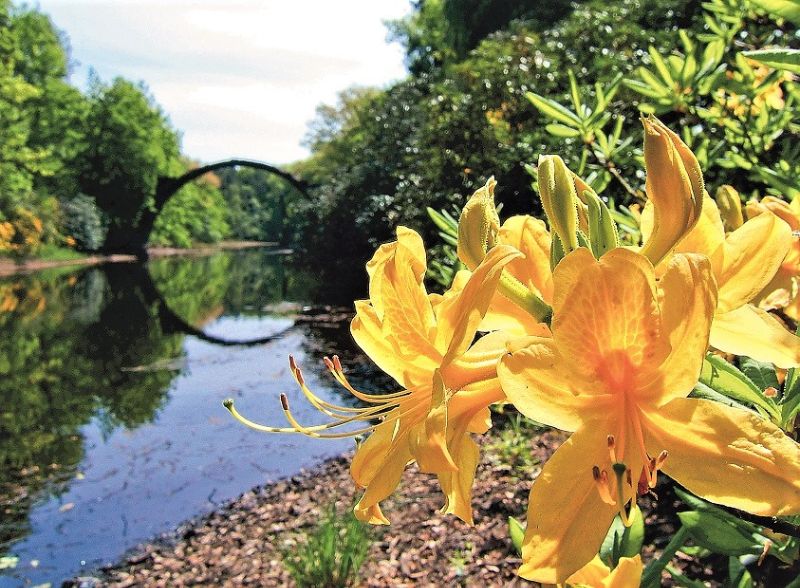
228,403
331,410
335,367
313,431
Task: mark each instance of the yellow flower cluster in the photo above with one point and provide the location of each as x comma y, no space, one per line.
589,337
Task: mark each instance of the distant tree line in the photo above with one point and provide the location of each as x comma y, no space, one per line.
74,166
78,168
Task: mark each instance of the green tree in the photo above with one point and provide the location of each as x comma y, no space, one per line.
129,144
196,213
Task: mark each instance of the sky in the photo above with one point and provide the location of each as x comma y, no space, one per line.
239,78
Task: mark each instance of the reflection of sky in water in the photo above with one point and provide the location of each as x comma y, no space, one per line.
135,484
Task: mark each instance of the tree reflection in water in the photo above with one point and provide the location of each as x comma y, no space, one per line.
104,343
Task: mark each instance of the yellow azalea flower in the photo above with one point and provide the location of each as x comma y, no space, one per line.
424,341
744,262
520,302
626,351
596,574
782,291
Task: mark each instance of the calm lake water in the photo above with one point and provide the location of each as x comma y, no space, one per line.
112,429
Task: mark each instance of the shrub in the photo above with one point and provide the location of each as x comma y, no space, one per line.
83,222
331,554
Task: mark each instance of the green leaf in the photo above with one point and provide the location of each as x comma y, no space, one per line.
738,576
560,130
574,92
788,9
721,376
714,533
785,59
622,541
554,110
661,66
444,223
517,533
700,390
762,374
791,395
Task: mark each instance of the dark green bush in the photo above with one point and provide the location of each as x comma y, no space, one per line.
83,221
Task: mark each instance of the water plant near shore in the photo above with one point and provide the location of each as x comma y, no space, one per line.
588,336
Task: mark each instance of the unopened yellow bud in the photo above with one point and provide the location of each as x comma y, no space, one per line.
674,188
478,226
559,199
730,207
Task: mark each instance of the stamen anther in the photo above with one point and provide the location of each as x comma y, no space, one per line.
612,444
603,488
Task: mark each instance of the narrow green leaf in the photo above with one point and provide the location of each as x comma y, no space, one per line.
788,9
516,531
574,92
738,576
714,533
785,59
554,110
723,377
791,395
661,66
559,130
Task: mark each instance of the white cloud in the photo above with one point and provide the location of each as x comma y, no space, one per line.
239,77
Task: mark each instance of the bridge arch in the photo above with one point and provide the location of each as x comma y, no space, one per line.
167,187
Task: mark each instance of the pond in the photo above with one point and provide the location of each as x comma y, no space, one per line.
112,428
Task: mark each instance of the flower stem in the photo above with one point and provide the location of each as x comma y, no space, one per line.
652,575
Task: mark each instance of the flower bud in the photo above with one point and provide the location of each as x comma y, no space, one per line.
559,200
601,228
730,207
674,188
478,226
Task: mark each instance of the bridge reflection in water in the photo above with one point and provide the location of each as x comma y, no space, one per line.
112,428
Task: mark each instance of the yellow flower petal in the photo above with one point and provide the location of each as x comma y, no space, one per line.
596,574
458,317
592,574
398,295
368,334
729,456
428,439
370,454
749,259
457,485
606,313
627,573
529,236
687,307
708,234
753,332
567,520
536,379
384,480
505,315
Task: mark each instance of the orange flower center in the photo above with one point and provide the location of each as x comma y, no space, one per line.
619,373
